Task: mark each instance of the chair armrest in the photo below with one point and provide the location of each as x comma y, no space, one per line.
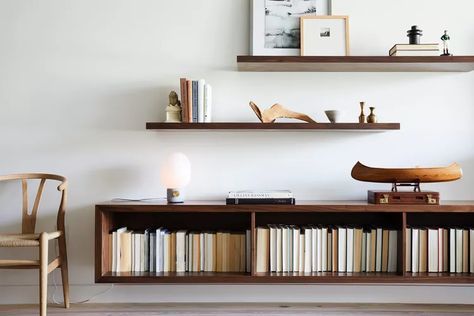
54,235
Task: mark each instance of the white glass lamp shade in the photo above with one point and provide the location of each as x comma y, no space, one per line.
175,175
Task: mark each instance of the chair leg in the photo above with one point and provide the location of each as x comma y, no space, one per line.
64,271
43,273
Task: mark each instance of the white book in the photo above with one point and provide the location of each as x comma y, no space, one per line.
392,251
368,251
329,252
274,194
433,250
285,249
147,250
205,247
152,258
207,103
142,252
314,249
273,248
133,253
201,83
296,249
350,250
342,249
364,252
452,250
166,251
445,250
319,258
415,253
121,230
158,250
248,250
324,249
290,248
471,250
440,250
408,250
301,259
202,253
459,246
432,52
114,251
181,251
378,251
308,240
279,249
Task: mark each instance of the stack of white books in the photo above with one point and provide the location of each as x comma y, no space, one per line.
415,50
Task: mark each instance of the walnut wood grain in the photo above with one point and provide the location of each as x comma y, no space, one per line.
356,63
273,126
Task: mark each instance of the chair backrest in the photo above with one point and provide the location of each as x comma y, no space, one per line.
28,222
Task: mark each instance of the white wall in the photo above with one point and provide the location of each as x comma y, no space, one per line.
79,79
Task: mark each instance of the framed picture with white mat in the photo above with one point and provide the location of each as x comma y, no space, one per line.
325,35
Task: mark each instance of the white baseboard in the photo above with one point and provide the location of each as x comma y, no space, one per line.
429,294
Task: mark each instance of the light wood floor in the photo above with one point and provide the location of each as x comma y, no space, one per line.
241,309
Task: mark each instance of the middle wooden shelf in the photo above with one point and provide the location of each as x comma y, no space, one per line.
352,127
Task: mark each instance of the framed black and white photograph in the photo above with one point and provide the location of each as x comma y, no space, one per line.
325,36
275,27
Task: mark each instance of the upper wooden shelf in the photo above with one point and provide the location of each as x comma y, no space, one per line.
274,126
356,63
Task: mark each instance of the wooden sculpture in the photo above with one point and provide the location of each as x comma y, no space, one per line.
278,111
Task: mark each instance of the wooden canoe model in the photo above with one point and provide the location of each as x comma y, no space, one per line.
406,175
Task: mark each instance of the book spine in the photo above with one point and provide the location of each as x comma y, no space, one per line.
184,92
189,100
231,201
200,95
207,103
195,101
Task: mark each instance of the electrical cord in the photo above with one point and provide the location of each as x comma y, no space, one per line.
59,302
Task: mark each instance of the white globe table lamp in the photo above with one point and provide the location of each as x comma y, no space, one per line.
175,176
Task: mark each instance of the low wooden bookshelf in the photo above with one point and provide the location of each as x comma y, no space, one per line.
215,215
356,63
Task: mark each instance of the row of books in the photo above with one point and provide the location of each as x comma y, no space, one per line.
415,50
196,101
284,197
288,248
161,250
440,250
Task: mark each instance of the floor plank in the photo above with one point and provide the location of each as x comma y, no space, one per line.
232,309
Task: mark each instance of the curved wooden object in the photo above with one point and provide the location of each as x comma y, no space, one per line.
278,111
406,175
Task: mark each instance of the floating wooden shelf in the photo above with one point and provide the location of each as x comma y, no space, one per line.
216,215
356,63
274,126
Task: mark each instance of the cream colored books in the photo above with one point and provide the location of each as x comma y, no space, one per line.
263,249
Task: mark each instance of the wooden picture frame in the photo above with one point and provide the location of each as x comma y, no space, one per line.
329,42
258,29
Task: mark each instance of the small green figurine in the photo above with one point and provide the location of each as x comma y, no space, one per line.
445,38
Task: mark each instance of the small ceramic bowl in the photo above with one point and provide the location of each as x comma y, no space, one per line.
333,115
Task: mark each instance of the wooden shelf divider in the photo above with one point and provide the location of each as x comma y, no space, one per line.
356,63
216,215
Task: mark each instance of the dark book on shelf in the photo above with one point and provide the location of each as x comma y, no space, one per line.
288,201
195,101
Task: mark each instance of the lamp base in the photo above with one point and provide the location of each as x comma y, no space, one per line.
175,195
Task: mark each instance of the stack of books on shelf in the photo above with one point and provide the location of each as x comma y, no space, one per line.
161,250
261,197
196,101
440,250
288,248
415,50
